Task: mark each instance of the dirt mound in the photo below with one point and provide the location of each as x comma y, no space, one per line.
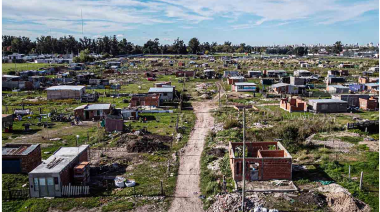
340,200
146,143
218,152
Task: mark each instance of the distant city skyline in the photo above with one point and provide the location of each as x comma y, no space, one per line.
251,22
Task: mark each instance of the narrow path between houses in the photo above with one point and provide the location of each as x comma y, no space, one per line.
187,189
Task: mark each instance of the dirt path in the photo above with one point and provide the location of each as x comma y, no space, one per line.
187,189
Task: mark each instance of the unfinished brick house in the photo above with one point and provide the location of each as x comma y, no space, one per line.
145,100
369,104
92,111
264,161
20,158
293,105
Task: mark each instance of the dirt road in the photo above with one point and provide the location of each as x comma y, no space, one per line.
187,189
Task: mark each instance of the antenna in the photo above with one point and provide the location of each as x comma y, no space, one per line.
82,20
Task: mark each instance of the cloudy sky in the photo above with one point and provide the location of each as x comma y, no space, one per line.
254,22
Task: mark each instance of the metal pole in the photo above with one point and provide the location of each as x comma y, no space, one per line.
243,190
219,96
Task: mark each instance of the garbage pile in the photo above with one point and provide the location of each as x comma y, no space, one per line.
232,202
145,143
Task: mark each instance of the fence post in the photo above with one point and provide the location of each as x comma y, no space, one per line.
361,181
349,172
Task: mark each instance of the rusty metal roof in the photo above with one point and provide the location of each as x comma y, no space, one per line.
19,150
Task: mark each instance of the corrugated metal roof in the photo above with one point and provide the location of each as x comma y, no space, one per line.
19,150
98,107
279,85
372,84
159,90
11,76
59,160
327,101
277,71
338,86
237,77
245,83
66,87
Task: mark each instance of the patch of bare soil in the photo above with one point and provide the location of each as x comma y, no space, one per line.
372,145
340,200
145,143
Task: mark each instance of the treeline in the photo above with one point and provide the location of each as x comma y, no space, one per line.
111,45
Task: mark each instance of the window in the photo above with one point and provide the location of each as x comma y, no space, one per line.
165,94
35,184
50,181
42,182
56,182
98,112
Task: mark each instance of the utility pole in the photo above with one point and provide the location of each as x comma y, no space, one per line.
243,190
219,96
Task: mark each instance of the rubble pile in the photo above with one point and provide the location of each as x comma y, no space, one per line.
232,202
145,143
339,199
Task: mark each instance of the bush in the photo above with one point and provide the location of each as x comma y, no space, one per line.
231,123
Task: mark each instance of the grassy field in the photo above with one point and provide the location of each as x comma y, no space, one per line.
8,67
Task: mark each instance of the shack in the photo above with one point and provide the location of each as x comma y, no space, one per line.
264,161
351,99
65,92
7,122
233,80
92,111
328,105
20,158
244,87
337,89
369,104
152,99
47,179
166,93
254,74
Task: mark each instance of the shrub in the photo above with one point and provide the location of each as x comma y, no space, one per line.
231,123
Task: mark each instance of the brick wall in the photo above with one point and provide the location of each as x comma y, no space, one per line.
31,161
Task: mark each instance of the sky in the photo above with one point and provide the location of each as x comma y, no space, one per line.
253,22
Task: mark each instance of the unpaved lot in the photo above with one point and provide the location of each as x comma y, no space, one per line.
187,189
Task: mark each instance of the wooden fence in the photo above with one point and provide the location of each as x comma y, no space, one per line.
70,190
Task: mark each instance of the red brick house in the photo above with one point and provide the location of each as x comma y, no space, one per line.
20,158
264,161
369,104
185,73
145,100
293,105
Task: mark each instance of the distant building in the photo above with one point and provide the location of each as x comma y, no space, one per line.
152,99
337,89
328,105
166,93
244,87
351,99
302,73
369,104
65,92
293,105
92,111
233,80
254,74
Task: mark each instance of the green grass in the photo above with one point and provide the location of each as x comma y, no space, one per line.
354,140
119,205
8,67
369,164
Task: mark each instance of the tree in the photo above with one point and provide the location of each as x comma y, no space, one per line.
338,47
84,56
194,45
